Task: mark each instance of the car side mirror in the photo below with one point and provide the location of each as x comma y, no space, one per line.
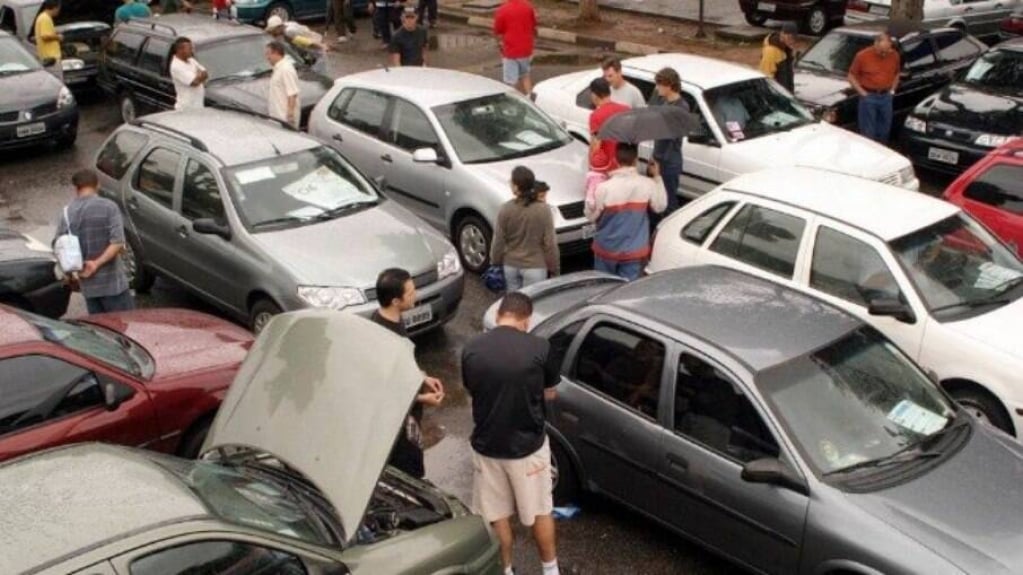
425,156
211,226
48,62
380,182
772,471
114,394
891,307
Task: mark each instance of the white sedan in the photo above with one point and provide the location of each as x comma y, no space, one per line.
918,269
751,123
977,17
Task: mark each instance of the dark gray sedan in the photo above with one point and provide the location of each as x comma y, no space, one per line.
771,428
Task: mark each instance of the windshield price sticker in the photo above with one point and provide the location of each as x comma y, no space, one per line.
255,175
317,188
735,130
911,416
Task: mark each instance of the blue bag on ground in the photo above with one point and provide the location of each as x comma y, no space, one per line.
493,278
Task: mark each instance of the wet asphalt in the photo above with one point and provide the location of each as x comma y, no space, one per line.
604,537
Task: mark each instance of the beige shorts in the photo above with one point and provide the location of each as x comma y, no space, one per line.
502,487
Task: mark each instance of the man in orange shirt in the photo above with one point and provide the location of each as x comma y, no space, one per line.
875,76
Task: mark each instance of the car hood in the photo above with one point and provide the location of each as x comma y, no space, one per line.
564,170
998,328
965,106
969,509
17,247
350,251
325,393
179,341
30,89
821,88
252,93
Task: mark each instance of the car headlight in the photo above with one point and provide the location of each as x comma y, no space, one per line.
449,265
71,64
915,124
993,140
331,297
64,98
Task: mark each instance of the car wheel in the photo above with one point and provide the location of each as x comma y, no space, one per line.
755,18
262,313
139,278
983,407
279,9
192,443
816,21
129,109
67,140
472,238
566,483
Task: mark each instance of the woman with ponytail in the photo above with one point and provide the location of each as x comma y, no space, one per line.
525,243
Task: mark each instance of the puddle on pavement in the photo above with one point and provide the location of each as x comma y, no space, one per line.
458,41
567,59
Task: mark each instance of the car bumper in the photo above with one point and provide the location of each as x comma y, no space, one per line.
80,78
575,238
917,146
443,298
60,124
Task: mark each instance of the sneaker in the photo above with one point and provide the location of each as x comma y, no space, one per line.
342,39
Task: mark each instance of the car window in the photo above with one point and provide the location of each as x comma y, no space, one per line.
623,365
411,129
754,108
955,46
337,107
124,46
561,341
115,158
845,267
154,56
155,178
711,410
200,194
1000,186
697,230
1000,70
646,88
212,557
762,238
834,52
917,54
365,112
37,388
8,22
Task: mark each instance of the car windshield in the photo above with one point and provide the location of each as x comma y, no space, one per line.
997,69
834,52
854,401
498,127
302,187
14,59
754,108
239,58
957,265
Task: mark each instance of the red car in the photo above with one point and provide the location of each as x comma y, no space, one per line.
148,378
992,192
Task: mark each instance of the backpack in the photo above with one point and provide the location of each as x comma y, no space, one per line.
68,249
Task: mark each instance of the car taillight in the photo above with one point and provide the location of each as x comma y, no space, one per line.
1013,24
858,5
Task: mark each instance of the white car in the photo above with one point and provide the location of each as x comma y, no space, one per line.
920,270
977,17
751,123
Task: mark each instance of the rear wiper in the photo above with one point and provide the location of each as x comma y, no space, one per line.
279,221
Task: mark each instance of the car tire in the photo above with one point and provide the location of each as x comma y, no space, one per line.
129,107
140,279
66,141
983,407
566,481
816,22
281,9
755,18
192,442
472,239
261,313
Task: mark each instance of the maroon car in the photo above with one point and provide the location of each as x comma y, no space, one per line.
814,16
148,378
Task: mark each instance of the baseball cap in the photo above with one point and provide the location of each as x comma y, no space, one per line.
273,22
789,28
408,11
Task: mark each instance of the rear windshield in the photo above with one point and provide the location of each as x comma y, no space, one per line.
834,52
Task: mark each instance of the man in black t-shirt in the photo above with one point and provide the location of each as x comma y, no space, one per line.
408,45
397,293
509,374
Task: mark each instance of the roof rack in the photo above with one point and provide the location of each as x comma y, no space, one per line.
231,107
192,140
152,24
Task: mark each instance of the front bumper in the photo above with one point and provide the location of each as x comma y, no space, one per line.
443,298
81,78
58,125
916,146
575,238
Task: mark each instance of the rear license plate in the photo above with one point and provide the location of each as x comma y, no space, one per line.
31,129
417,316
879,10
765,7
588,231
945,156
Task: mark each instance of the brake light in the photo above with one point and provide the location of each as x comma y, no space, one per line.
858,5
1013,24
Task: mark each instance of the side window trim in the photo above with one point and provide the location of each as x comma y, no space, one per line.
732,203
179,186
801,265
178,173
379,134
392,131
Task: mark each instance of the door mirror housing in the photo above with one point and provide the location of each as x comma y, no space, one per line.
48,62
892,307
211,226
115,393
425,156
772,471
380,182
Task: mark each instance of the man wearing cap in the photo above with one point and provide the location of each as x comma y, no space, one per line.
301,37
408,44
602,153
777,60
874,74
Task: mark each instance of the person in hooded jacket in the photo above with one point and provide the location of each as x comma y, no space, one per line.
778,57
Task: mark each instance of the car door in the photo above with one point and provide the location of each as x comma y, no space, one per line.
921,74
118,69
995,197
355,127
715,427
46,400
154,88
956,51
701,153
149,197
680,245
423,187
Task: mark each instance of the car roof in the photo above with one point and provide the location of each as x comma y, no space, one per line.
1014,44
759,322
433,86
198,29
221,130
875,27
14,329
60,501
846,199
698,70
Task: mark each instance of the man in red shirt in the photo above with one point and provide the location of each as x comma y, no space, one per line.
874,74
603,152
515,24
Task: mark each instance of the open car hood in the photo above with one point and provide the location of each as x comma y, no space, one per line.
326,393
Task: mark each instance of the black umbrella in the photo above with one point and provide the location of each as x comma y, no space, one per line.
653,123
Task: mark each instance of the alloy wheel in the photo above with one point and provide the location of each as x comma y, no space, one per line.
817,22
259,322
473,244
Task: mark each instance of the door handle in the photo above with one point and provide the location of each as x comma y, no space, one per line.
182,230
386,158
677,462
337,138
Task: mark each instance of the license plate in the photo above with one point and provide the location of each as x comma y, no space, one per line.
765,7
31,129
588,231
417,316
945,156
879,10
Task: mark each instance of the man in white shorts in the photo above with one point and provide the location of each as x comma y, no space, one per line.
515,24
509,375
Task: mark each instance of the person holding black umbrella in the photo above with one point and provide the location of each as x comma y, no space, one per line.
668,152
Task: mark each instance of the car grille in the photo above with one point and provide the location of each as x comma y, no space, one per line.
574,247
420,281
950,133
571,211
36,112
7,117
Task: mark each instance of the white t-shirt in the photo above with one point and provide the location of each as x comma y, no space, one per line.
283,84
183,73
628,95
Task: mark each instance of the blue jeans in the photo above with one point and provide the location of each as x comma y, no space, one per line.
517,278
123,301
875,116
627,270
382,23
671,175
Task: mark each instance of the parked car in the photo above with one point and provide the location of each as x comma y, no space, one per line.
149,378
134,67
282,222
35,107
263,499
258,11
992,192
918,269
983,109
445,143
977,17
1012,25
749,417
27,277
750,123
814,16
930,60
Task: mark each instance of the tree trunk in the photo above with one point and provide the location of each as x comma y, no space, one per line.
588,10
907,10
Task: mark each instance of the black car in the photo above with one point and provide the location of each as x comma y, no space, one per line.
135,65
814,16
983,109
35,107
27,278
930,59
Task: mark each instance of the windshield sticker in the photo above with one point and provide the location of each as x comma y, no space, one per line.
532,138
517,146
735,130
911,416
317,188
306,212
254,175
288,168
993,275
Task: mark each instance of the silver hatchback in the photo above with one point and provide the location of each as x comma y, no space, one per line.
444,143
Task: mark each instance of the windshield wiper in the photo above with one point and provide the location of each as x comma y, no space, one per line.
349,207
279,221
993,299
903,455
